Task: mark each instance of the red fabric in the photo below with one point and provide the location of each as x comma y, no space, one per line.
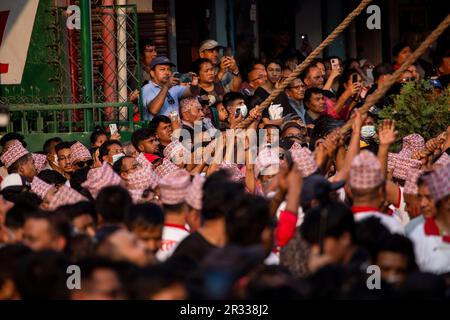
431,229
150,157
178,226
286,228
356,209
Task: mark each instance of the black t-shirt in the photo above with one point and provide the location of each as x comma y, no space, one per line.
195,247
281,99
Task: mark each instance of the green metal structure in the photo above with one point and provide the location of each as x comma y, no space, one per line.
45,108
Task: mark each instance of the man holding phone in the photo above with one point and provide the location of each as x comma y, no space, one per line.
161,95
227,71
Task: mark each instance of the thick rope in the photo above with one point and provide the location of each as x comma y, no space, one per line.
336,32
381,91
430,146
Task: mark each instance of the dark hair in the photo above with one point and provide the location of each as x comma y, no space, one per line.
77,178
246,220
178,208
370,233
253,101
197,64
399,47
346,75
49,142
42,275
307,70
72,211
381,70
12,136
104,148
271,282
63,145
98,131
141,135
10,255
113,204
274,61
58,223
81,246
157,120
52,177
338,220
145,42
14,167
230,97
27,198
144,215
309,92
323,126
219,191
15,217
402,245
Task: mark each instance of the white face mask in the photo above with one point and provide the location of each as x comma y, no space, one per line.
368,131
117,157
244,110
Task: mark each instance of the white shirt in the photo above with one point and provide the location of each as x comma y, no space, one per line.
172,235
398,209
432,250
392,224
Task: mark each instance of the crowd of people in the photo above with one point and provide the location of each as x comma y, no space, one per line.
307,212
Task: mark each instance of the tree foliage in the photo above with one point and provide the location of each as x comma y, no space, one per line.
419,108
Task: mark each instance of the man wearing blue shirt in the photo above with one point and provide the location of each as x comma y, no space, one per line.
162,94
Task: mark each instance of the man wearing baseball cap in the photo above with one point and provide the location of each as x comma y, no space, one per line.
227,70
162,94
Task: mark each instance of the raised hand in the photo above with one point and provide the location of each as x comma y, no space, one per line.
386,132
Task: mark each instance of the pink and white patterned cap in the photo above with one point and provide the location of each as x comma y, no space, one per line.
78,152
40,187
411,186
188,103
40,161
403,166
443,160
65,196
195,192
99,178
165,168
392,159
233,169
305,161
142,160
365,171
295,146
411,144
177,153
14,152
174,186
143,178
438,182
267,162
136,194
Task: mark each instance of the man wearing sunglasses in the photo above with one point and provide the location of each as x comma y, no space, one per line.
161,95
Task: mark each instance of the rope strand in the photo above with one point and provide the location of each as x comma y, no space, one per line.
331,37
381,91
